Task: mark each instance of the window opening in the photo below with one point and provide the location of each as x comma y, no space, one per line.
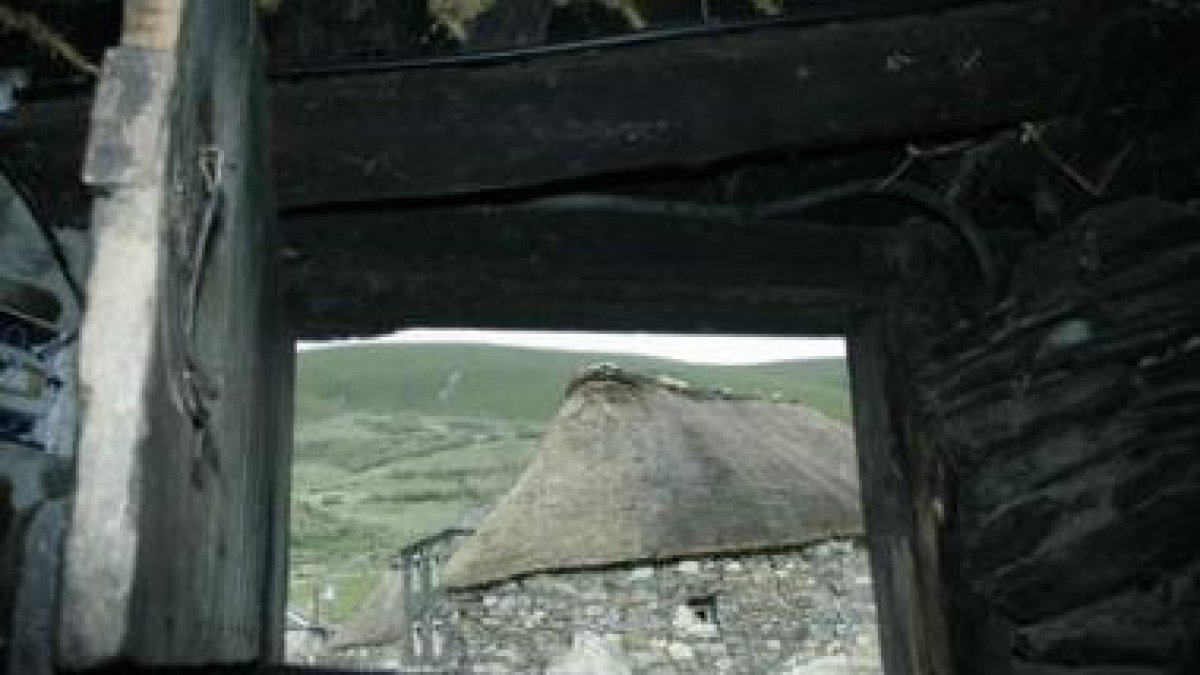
407,449
704,609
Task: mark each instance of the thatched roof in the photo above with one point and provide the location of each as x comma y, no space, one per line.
381,618
635,469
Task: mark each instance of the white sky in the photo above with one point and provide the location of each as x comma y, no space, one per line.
709,349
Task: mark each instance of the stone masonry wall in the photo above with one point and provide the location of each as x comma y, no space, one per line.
787,612
1065,424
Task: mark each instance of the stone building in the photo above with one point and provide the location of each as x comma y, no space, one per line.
667,529
407,621
613,552
800,611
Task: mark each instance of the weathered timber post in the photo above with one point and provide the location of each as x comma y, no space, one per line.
175,551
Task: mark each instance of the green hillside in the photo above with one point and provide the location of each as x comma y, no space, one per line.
519,384
393,442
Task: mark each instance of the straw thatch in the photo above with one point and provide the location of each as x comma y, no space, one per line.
384,618
635,470
380,620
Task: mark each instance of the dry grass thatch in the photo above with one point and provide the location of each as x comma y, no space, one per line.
380,620
632,470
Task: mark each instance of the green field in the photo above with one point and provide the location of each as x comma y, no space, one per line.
393,442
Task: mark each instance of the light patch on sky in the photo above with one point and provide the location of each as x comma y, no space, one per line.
706,349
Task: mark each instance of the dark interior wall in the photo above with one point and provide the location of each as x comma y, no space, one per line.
41,263
35,467
175,550
1031,516
1049,441
1036,467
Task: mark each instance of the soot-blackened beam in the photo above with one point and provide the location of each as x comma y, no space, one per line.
689,102
369,273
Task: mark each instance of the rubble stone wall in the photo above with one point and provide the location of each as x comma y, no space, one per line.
785,612
1064,422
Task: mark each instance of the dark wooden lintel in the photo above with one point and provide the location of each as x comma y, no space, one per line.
689,102
364,273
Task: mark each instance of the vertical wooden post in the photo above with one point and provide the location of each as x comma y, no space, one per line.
176,551
887,500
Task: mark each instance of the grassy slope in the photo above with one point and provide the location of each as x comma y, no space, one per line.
391,444
513,383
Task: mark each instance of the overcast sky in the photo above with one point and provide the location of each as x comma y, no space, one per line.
714,349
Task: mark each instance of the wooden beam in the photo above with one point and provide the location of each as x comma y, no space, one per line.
887,500
688,102
684,104
370,273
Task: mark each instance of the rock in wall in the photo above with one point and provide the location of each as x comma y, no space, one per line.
1068,441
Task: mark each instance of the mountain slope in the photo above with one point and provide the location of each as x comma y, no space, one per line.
516,383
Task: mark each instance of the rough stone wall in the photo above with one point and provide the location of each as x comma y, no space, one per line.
787,612
1067,481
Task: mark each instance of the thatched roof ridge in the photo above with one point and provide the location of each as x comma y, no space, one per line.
612,372
418,545
635,468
